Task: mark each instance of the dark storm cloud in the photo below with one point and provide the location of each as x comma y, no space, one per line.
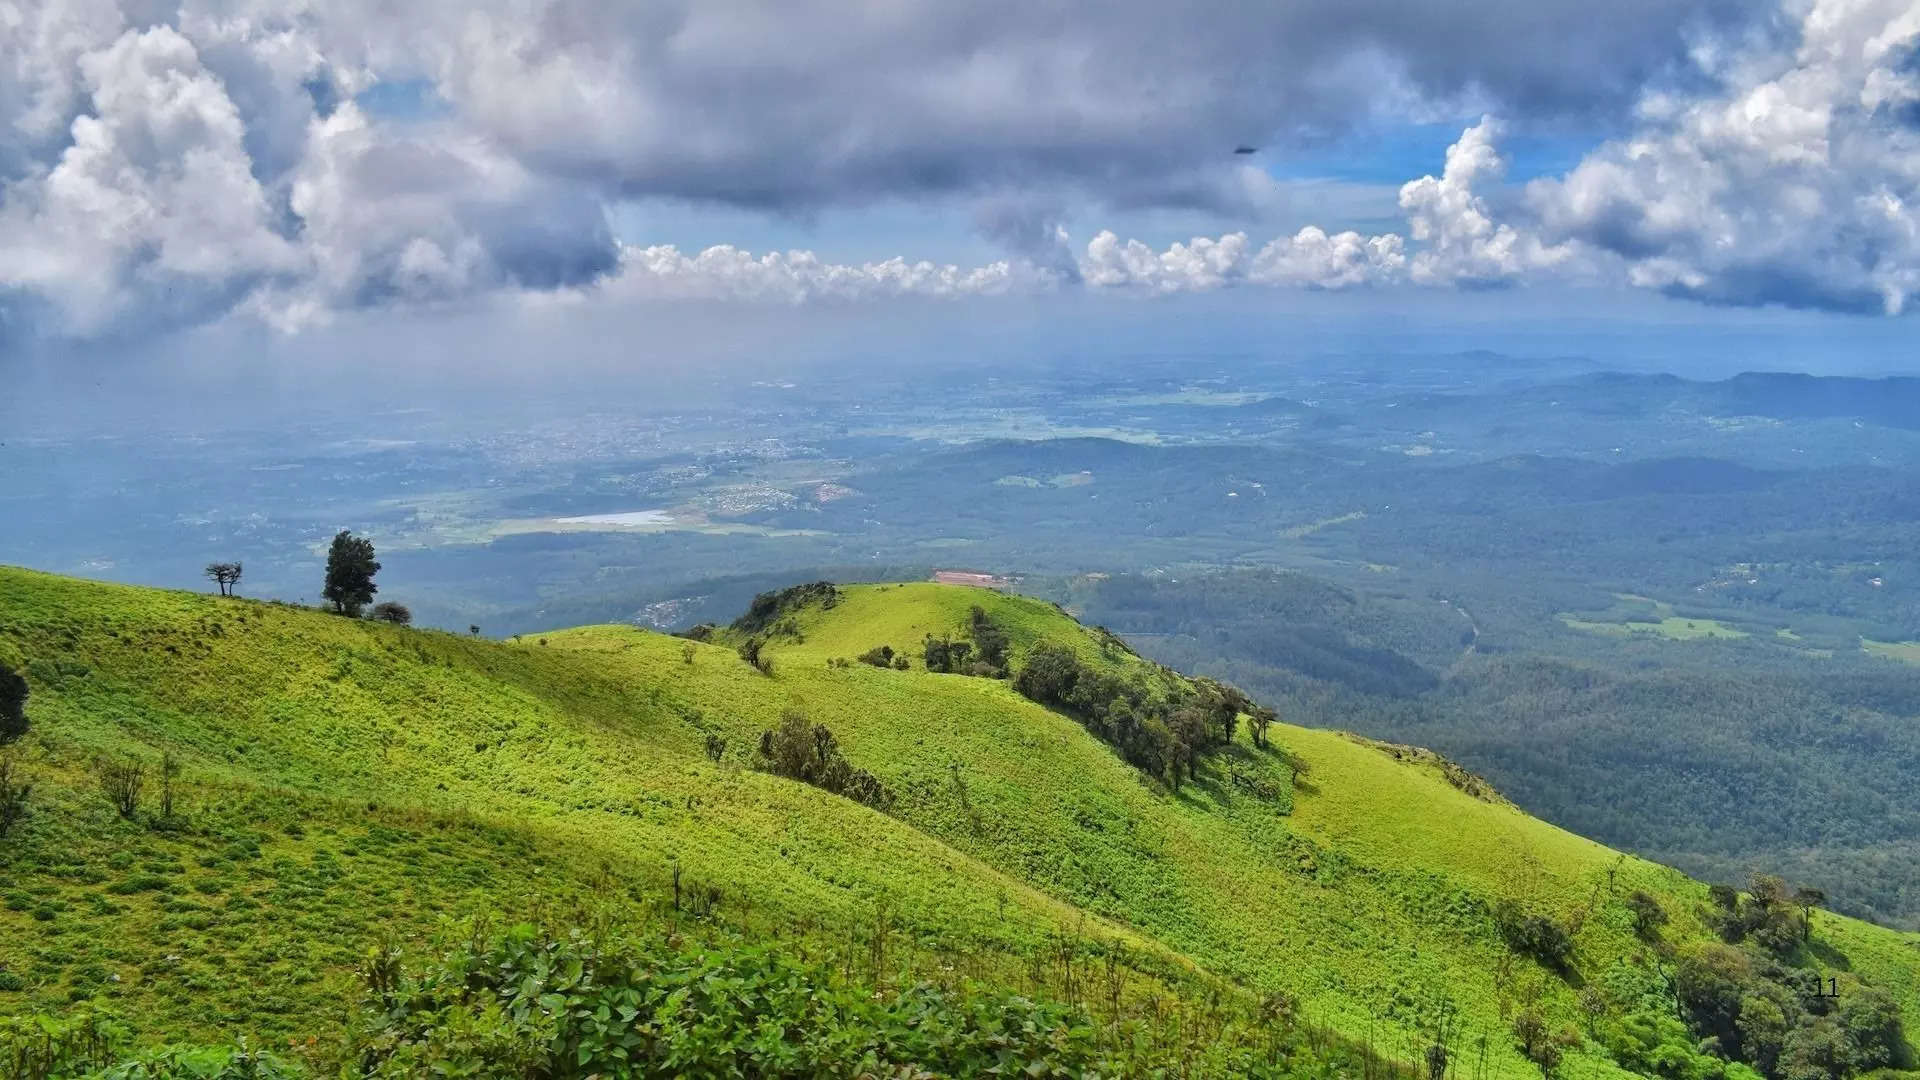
806,103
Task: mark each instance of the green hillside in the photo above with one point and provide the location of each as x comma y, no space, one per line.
346,784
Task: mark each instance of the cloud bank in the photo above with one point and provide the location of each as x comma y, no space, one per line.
285,160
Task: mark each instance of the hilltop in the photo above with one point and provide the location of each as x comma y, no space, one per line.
346,786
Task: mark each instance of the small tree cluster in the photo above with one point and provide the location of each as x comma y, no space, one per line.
983,653
945,656
880,656
1164,735
225,575
1259,718
989,642
808,752
772,611
1771,915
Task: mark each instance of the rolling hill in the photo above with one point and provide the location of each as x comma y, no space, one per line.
340,786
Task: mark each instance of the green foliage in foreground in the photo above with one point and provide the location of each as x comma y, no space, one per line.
532,1006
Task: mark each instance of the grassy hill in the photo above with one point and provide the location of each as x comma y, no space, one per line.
346,785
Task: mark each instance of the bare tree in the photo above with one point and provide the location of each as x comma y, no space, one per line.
120,781
224,574
169,771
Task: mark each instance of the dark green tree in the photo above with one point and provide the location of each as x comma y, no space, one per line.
13,705
1648,915
350,570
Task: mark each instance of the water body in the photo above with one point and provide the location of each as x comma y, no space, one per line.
631,518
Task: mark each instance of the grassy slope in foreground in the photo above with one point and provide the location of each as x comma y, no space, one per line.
344,777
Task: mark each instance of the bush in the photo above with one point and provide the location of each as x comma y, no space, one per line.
751,651
808,752
989,641
13,705
14,792
1648,915
397,614
880,656
528,1006
120,781
944,655
1534,935
211,1063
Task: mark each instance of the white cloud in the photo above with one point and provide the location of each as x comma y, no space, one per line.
1314,259
727,273
1798,183
1447,216
153,199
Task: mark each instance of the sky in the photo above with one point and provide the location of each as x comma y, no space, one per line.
202,182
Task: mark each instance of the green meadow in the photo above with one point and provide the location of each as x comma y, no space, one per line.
346,788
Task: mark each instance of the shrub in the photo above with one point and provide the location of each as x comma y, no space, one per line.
13,705
989,640
397,614
880,656
529,1006
751,651
1534,935
120,781
944,655
808,752
716,747
900,662
14,792
1648,915
1164,733
1532,1039
208,1063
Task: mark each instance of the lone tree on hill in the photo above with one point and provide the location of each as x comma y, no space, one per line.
13,705
224,574
1807,899
350,570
